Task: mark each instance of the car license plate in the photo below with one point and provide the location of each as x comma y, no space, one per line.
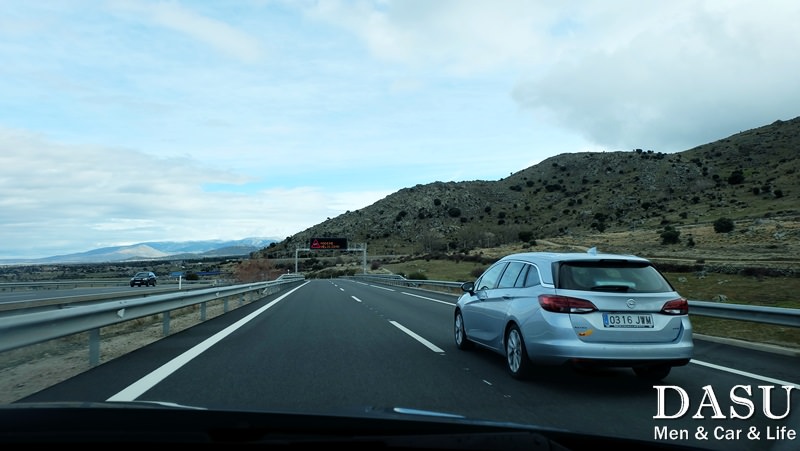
628,320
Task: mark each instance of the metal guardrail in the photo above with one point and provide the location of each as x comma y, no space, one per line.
62,284
92,283
766,315
20,328
72,301
23,328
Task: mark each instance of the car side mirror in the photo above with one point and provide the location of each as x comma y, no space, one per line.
468,287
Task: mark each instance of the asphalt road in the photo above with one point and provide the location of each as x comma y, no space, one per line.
339,346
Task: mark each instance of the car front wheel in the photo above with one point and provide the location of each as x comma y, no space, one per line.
462,342
516,355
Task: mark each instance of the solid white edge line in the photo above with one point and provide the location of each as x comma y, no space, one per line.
382,288
136,389
427,343
744,373
427,298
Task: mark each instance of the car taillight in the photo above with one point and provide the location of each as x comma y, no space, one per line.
565,304
678,306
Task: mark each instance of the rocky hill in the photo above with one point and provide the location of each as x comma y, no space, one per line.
620,200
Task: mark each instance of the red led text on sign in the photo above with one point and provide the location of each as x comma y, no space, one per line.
328,243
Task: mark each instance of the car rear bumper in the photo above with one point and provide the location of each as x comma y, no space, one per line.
627,363
612,354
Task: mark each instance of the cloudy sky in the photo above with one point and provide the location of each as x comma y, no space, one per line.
136,120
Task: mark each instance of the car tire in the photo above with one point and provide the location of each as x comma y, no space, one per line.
652,373
517,362
462,342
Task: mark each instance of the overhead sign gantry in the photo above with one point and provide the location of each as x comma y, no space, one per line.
316,244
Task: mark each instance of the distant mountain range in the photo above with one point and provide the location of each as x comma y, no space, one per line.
157,251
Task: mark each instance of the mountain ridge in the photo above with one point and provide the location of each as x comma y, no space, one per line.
155,250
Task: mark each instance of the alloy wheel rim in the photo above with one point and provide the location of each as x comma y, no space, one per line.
513,351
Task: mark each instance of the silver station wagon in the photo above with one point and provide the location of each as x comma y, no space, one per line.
587,309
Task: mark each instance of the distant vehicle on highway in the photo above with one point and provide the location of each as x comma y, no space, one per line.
143,278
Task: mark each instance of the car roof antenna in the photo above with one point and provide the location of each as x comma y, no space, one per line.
592,250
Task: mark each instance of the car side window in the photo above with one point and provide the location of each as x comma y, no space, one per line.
531,277
489,278
510,275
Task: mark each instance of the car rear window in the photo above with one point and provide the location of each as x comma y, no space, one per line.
612,275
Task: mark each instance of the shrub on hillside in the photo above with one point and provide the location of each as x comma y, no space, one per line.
723,225
670,236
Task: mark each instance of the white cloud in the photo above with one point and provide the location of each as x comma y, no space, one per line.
101,197
663,75
132,121
672,75
461,36
218,34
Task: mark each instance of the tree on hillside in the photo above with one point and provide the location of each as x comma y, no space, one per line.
723,225
670,235
525,236
736,177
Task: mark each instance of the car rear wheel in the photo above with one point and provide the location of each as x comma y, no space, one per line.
462,342
517,360
652,372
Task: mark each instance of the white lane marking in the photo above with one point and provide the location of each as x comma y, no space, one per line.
427,298
427,343
744,373
357,299
382,288
136,389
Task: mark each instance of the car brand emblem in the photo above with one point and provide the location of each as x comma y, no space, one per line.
630,303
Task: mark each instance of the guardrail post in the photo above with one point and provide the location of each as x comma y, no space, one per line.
94,347
203,311
165,323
